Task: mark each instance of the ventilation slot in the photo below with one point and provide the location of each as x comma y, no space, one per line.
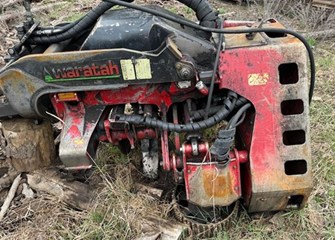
292,107
275,35
288,73
294,137
295,201
295,167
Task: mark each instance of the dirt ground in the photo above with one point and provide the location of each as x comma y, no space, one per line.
117,208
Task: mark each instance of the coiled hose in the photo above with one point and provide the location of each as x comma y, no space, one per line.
228,106
87,21
203,10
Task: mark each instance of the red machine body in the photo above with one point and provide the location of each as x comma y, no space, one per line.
273,172
227,114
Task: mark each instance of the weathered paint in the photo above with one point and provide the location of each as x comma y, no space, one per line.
266,186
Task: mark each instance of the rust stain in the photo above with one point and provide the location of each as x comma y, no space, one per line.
18,80
217,185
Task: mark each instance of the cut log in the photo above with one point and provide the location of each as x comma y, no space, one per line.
30,146
76,194
155,227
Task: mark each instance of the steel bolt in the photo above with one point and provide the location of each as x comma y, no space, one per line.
11,51
186,73
179,66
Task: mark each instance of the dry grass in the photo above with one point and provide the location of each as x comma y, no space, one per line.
117,210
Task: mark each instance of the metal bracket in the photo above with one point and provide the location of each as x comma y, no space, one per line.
258,24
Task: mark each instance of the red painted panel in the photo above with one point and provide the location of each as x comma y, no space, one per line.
239,70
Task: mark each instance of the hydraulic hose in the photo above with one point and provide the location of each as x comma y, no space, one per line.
216,65
203,10
199,114
90,18
87,21
228,107
234,120
55,30
229,31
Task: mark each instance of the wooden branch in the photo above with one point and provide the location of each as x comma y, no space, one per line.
324,3
11,15
7,180
326,34
10,3
10,197
151,192
48,6
76,194
155,227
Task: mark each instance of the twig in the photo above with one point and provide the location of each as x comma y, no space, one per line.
6,181
10,197
324,3
48,7
326,34
11,15
10,3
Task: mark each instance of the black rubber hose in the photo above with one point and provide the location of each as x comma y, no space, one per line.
234,120
188,23
216,64
203,10
55,30
87,21
228,107
199,114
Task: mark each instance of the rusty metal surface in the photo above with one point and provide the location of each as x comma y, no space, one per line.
213,185
260,39
254,74
239,40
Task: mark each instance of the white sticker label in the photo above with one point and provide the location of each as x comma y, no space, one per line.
143,69
136,69
127,68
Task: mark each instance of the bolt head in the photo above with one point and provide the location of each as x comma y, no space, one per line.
11,51
178,66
